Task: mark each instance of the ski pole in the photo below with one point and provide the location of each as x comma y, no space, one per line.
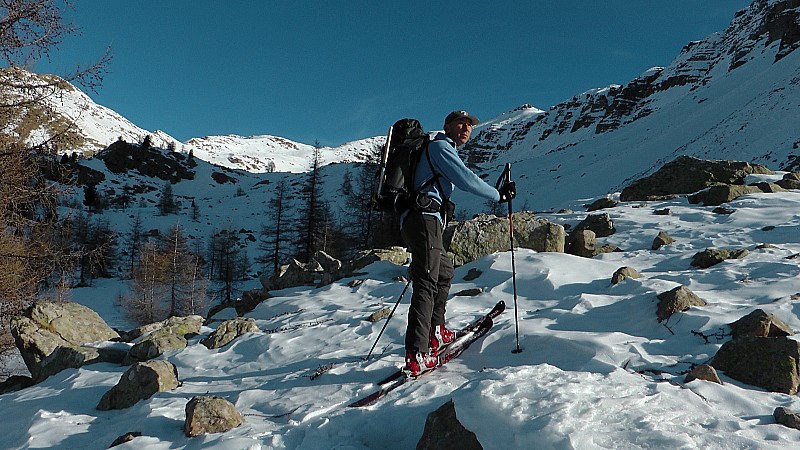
388,319
505,177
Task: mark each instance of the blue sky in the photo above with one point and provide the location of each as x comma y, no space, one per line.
336,71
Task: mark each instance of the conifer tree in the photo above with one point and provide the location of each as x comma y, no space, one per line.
272,234
166,201
312,208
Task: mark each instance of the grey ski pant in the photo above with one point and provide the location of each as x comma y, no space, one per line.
431,275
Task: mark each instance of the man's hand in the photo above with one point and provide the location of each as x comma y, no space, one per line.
507,191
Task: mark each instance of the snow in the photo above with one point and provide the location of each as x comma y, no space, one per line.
596,369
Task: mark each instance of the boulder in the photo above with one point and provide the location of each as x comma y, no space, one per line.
601,203
140,382
161,337
210,414
703,372
323,269
761,324
769,363
296,274
443,431
686,175
622,273
676,300
787,417
769,188
582,243
180,325
721,193
486,234
250,299
229,330
600,224
396,255
790,180
661,240
711,256
50,337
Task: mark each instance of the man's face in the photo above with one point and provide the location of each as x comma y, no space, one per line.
459,130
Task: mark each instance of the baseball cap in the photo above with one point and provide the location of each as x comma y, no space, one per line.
455,115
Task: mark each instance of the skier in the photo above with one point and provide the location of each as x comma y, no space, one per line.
421,230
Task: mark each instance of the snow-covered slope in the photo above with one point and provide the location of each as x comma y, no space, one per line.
275,154
597,370
729,96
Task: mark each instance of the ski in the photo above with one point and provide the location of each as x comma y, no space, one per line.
472,326
474,331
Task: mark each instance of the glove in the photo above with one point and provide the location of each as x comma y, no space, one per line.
507,191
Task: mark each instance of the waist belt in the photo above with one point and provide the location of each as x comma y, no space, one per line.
426,204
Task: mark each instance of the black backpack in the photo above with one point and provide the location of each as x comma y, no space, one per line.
404,146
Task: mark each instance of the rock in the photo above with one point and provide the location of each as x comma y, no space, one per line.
180,325
601,203
790,180
210,414
607,248
686,175
710,257
396,255
676,300
769,188
229,330
156,345
723,210
331,268
703,372
140,382
487,234
127,437
472,274
161,337
15,383
121,157
323,269
722,193
297,274
50,337
663,212
582,243
661,240
769,363
761,324
622,273
250,299
469,292
379,315
600,224
787,417
443,431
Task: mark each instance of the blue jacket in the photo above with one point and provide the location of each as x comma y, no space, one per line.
452,173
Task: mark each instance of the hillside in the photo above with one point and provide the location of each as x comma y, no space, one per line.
597,370
728,96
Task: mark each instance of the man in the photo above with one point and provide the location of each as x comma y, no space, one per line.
439,170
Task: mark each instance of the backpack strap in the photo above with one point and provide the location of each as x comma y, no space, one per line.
445,207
